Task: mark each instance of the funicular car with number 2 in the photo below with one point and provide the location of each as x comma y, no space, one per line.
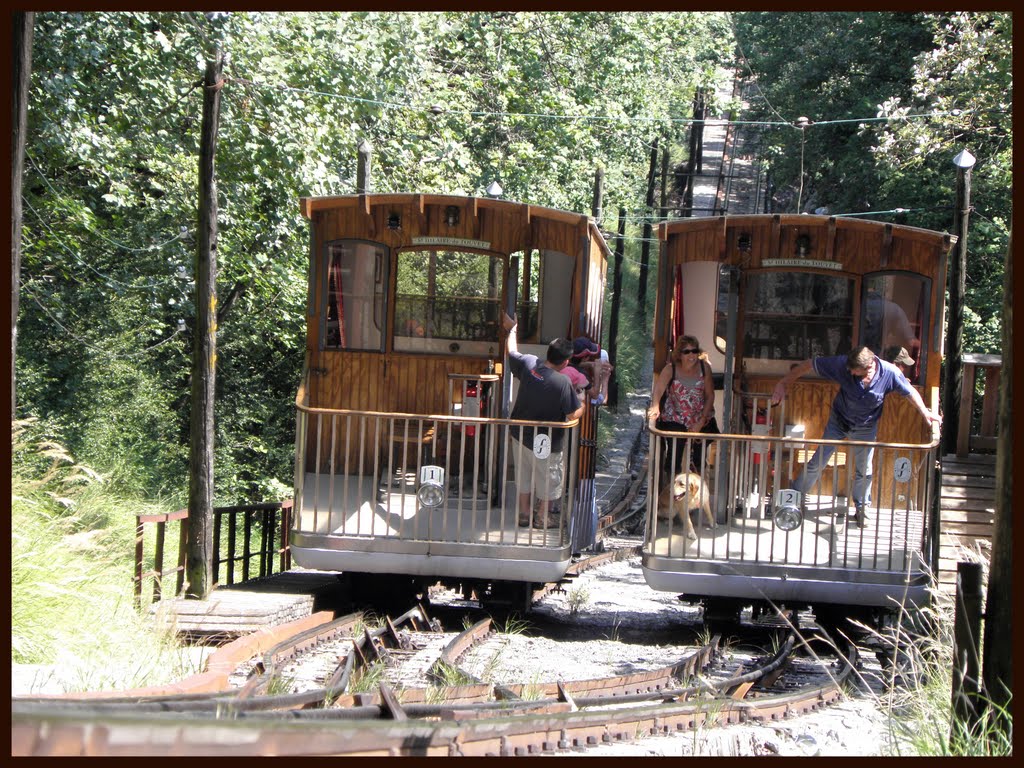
764,293
402,474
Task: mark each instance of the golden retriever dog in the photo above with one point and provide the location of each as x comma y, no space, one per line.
672,501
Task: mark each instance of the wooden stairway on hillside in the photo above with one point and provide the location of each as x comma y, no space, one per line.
967,509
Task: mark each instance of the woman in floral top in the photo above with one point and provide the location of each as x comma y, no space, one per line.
689,403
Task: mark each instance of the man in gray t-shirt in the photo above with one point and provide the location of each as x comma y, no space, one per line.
545,394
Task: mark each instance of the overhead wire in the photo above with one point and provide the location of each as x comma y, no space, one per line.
608,118
148,249
105,352
110,281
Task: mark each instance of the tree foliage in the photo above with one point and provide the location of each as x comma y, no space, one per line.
828,67
448,101
967,79
892,97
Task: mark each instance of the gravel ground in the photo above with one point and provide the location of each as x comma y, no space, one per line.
617,599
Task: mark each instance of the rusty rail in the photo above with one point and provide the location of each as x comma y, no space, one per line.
384,726
270,519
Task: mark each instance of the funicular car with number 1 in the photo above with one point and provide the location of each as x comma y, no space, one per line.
402,473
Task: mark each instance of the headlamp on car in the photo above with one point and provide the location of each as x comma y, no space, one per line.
431,492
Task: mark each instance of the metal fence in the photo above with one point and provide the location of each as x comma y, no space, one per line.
259,530
735,497
433,478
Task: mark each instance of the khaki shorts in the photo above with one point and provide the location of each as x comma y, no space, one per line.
542,477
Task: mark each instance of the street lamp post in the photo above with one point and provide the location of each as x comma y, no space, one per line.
953,379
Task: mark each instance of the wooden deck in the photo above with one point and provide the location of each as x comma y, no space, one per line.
825,539
967,510
347,506
232,611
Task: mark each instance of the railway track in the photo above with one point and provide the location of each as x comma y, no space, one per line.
403,687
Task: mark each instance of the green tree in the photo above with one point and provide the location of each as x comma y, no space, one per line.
966,80
833,68
449,102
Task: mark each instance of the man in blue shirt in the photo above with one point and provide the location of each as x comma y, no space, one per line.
864,380
545,394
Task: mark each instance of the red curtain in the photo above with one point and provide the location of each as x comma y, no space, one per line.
677,320
337,299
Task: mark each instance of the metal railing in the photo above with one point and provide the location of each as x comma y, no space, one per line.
363,474
748,483
268,522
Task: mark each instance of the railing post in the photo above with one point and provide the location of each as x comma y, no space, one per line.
267,537
140,534
284,553
990,401
232,537
246,545
217,517
158,558
182,554
963,434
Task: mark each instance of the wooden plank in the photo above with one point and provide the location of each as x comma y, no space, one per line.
980,530
949,564
963,546
982,444
950,556
957,516
966,492
967,504
971,458
957,495
246,612
981,465
969,478
968,481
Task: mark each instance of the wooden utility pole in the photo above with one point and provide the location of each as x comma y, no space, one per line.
21,74
997,656
953,379
199,546
613,329
645,248
363,167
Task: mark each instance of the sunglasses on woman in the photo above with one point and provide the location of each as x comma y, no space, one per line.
689,351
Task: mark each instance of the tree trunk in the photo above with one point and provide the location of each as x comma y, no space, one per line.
21,75
598,203
645,248
700,111
199,548
664,183
997,661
